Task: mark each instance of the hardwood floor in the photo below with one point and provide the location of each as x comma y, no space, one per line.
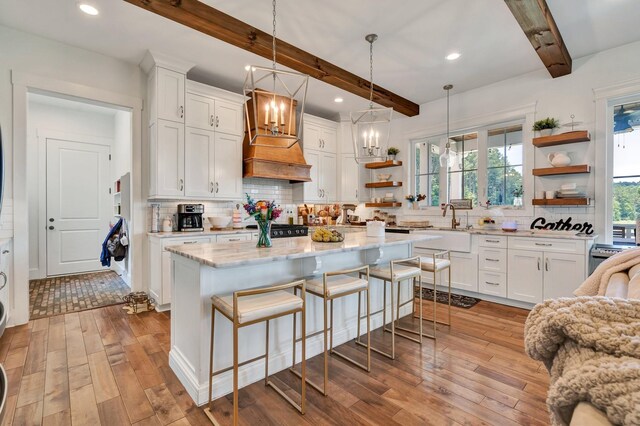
106,367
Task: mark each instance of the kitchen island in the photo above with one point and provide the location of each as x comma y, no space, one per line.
202,270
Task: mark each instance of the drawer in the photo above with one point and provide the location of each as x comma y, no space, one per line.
492,241
492,259
548,244
232,238
180,241
493,283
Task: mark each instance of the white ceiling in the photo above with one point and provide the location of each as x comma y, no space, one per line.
409,55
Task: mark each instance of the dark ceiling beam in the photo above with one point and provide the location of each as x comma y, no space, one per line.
540,28
215,23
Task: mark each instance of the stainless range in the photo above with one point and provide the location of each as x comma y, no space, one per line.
285,231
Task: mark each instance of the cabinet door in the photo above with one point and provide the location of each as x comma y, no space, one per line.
311,190
170,96
525,275
563,273
228,118
155,273
328,139
200,112
232,238
199,156
493,259
493,283
464,271
349,179
228,166
311,137
169,158
328,177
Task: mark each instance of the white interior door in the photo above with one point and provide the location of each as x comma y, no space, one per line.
78,205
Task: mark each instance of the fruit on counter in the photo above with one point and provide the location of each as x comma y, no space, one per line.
325,235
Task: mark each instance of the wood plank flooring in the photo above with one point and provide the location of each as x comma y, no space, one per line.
106,367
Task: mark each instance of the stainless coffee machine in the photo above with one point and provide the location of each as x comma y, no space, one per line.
190,217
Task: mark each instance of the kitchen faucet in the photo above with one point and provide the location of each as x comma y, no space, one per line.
454,223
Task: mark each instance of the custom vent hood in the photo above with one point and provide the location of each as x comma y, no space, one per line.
270,158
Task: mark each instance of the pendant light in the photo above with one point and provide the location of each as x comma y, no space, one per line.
621,121
445,157
370,128
271,114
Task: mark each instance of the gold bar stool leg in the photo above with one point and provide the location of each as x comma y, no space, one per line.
213,322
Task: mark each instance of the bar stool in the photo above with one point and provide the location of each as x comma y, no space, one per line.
247,307
335,285
435,263
398,271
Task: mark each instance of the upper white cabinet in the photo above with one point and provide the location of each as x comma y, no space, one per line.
319,143
170,92
227,170
208,113
166,159
350,179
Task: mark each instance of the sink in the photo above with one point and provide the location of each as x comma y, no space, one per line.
450,239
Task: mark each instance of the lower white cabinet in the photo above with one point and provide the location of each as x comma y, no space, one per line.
464,271
538,275
492,265
492,283
233,238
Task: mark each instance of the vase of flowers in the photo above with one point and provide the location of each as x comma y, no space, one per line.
264,212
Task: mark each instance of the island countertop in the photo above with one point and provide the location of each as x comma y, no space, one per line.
235,254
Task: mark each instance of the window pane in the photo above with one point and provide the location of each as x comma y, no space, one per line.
427,157
504,162
455,185
513,183
471,185
495,186
495,153
430,186
463,177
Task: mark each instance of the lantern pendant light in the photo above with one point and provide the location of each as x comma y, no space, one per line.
370,128
445,157
272,117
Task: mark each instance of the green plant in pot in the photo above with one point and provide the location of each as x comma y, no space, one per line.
545,126
392,152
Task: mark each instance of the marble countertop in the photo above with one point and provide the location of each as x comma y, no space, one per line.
205,233
537,233
228,255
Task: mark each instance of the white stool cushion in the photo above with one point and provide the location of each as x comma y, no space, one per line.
427,264
400,272
257,306
336,284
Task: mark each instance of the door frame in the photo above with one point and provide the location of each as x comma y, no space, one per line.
22,84
42,136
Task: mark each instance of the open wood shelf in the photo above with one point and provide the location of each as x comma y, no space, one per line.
552,171
561,202
385,184
383,164
386,205
562,138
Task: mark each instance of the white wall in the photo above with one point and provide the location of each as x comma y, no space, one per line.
561,97
121,152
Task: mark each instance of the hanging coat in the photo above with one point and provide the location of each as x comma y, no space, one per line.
105,256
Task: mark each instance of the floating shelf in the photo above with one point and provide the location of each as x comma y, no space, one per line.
562,138
561,202
383,164
386,184
551,171
386,205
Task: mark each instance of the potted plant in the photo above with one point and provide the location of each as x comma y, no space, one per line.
517,196
392,152
545,126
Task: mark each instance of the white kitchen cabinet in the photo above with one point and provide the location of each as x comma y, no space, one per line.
563,273
492,283
349,179
199,158
166,159
525,275
5,276
320,134
160,267
230,238
208,113
464,270
228,166
170,91
323,187
328,177
492,265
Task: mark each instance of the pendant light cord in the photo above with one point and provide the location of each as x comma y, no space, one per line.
274,35
370,73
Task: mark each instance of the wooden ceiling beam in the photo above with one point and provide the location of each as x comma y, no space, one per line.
201,17
538,25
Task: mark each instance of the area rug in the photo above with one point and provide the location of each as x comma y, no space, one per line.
75,293
457,300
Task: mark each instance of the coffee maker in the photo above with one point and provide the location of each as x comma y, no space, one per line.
190,217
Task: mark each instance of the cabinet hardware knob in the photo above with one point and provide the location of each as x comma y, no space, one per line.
491,283
51,228
181,109
4,280
546,264
544,244
492,260
181,184
538,264
492,241
5,252
190,242
211,121
211,187
51,219
217,187
217,121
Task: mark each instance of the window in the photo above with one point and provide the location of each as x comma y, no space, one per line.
463,167
484,164
504,166
428,171
626,172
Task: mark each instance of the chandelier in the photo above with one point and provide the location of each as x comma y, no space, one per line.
370,128
271,113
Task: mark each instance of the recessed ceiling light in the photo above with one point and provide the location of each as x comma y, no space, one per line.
338,100
452,56
88,9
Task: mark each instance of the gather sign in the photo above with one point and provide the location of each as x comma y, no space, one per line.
562,225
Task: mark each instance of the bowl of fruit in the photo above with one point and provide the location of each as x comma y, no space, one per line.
326,235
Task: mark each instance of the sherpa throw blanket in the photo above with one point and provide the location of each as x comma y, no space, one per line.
596,283
591,347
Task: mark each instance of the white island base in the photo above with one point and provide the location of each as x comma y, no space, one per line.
201,271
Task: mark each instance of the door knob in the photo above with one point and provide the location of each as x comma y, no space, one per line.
51,228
